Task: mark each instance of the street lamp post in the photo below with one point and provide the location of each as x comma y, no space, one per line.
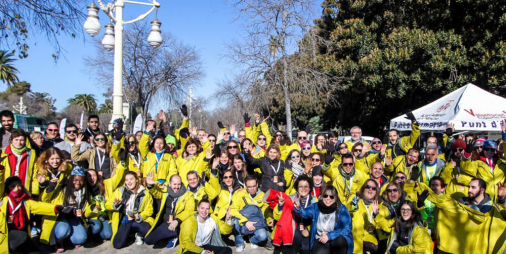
114,39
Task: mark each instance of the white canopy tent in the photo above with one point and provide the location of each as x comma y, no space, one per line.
469,108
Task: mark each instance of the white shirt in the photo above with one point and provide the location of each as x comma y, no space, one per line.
205,231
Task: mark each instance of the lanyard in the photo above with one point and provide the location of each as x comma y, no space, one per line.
12,206
53,176
79,196
100,160
351,183
173,206
252,199
427,171
137,163
158,160
239,181
229,197
490,163
18,163
410,169
276,170
369,214
307,200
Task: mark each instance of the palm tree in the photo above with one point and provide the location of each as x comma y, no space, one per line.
44,98
87,101
106,107
8,73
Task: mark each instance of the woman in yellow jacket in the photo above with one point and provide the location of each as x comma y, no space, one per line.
99,158
132,207
409,235
158,162
192,159
134,159
363,209
200,233
20,161
51,166
16,209
227,188
75,196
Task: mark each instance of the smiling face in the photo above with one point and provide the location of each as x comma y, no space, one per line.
376,144
356,133
71,133
193,180
347,165
317,179
242,135
316,160
54,161
371,189
252,186
303,189
159,145
377,170
7,123
175,183
295,157
393,136
78,182
203,209
228,179
406,212
261,140
393,193
131,182
39,140
191,149
357,150
52,131
306,149
91,177
329,198
400,178
100,141
342,149
132,144
93,124
272,154
232,148
138,136
412,157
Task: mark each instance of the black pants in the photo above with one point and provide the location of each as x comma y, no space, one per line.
336,246
161,232
300,244
215,249
21,242
124,230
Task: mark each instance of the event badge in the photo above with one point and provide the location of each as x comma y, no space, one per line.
275,179
79,212
11,219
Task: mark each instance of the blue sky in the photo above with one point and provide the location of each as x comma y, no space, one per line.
205,24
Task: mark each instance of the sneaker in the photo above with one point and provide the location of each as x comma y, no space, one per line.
60,250
138,239
172,243
269,245
254,246
239,249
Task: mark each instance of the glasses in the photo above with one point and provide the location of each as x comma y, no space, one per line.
261,138
347,164
132,142
459,149
489,150
306,148
302,138
231,147
343,147
99,139
72,131
400,178
430,154
242,136
212,140
371,187
279,135
479,147
392,190
228,177
405,209
226,133
315,159
328,196
295,156
376,142
52,129
358,150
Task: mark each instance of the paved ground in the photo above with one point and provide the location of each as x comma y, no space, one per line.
95,247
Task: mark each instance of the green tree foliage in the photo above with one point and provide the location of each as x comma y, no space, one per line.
106,107
8,73
87,101
394,56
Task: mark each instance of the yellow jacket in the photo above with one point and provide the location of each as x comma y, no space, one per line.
419,242
406,142
185,207
32,207
64,175
195,163
188,234
364,164
238,204
206,189
384,221
350,143
362,219
482,170
347,189
31,183
222,205
145,209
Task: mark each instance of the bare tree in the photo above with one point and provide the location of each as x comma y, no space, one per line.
273,27
152,76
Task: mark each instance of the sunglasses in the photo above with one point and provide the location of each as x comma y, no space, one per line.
392,190
400,178
279,135
75,131
306,148
459,149
302,138
376,142
315,159
228,177
328,196
99,139
295,156
343,147
405,209
371,187
52,129
489,150
132,142
347,164
261,138
358,150
212,140
226,133
479,147
231,147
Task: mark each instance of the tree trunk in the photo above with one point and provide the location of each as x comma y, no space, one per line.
288,109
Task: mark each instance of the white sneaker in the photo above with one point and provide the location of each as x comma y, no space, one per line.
254,246
239,249
138,239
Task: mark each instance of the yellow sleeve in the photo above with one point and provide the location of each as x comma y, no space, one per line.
189,208
41,208
75,156
144,145
249,132
382,220
237,205
117,178
115,149
147,203
420,242
184,124
210,190
187,237
265,130
409,141
109,203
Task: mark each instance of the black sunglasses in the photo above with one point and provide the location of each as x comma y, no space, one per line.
371,187
347,164
400,177
328,196
230,147
376,142
74,131
99,139
392,190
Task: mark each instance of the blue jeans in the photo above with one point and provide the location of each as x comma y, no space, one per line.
70,228
260,235
239,241
104,229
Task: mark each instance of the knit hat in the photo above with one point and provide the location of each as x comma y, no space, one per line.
459,143
9,181
489,143
479,142
170,140
77,171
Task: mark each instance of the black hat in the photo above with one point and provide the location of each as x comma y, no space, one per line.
9,181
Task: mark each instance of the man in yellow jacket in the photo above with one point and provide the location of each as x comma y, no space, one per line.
242,199
396,146
356,137
349,180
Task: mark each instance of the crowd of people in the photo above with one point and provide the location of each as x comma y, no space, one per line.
206,193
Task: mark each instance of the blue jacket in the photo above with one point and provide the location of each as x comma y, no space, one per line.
341,228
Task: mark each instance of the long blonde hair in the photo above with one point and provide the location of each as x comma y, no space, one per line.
43,165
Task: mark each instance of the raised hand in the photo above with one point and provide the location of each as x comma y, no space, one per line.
216,162
257,117
117,202
246,117
184,110
149,179
151,126
503,126
79,139
40,178
232,129
296,203
375,206
162,116
209,154
281,199
383,150
501,191
388,160
220,137
267,118
221,126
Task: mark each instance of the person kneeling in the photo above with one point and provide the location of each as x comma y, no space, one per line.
200,233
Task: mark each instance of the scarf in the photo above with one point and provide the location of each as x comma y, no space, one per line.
18,151
328,209
368,201
194,189
134,152
20,216
346,175
178,194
